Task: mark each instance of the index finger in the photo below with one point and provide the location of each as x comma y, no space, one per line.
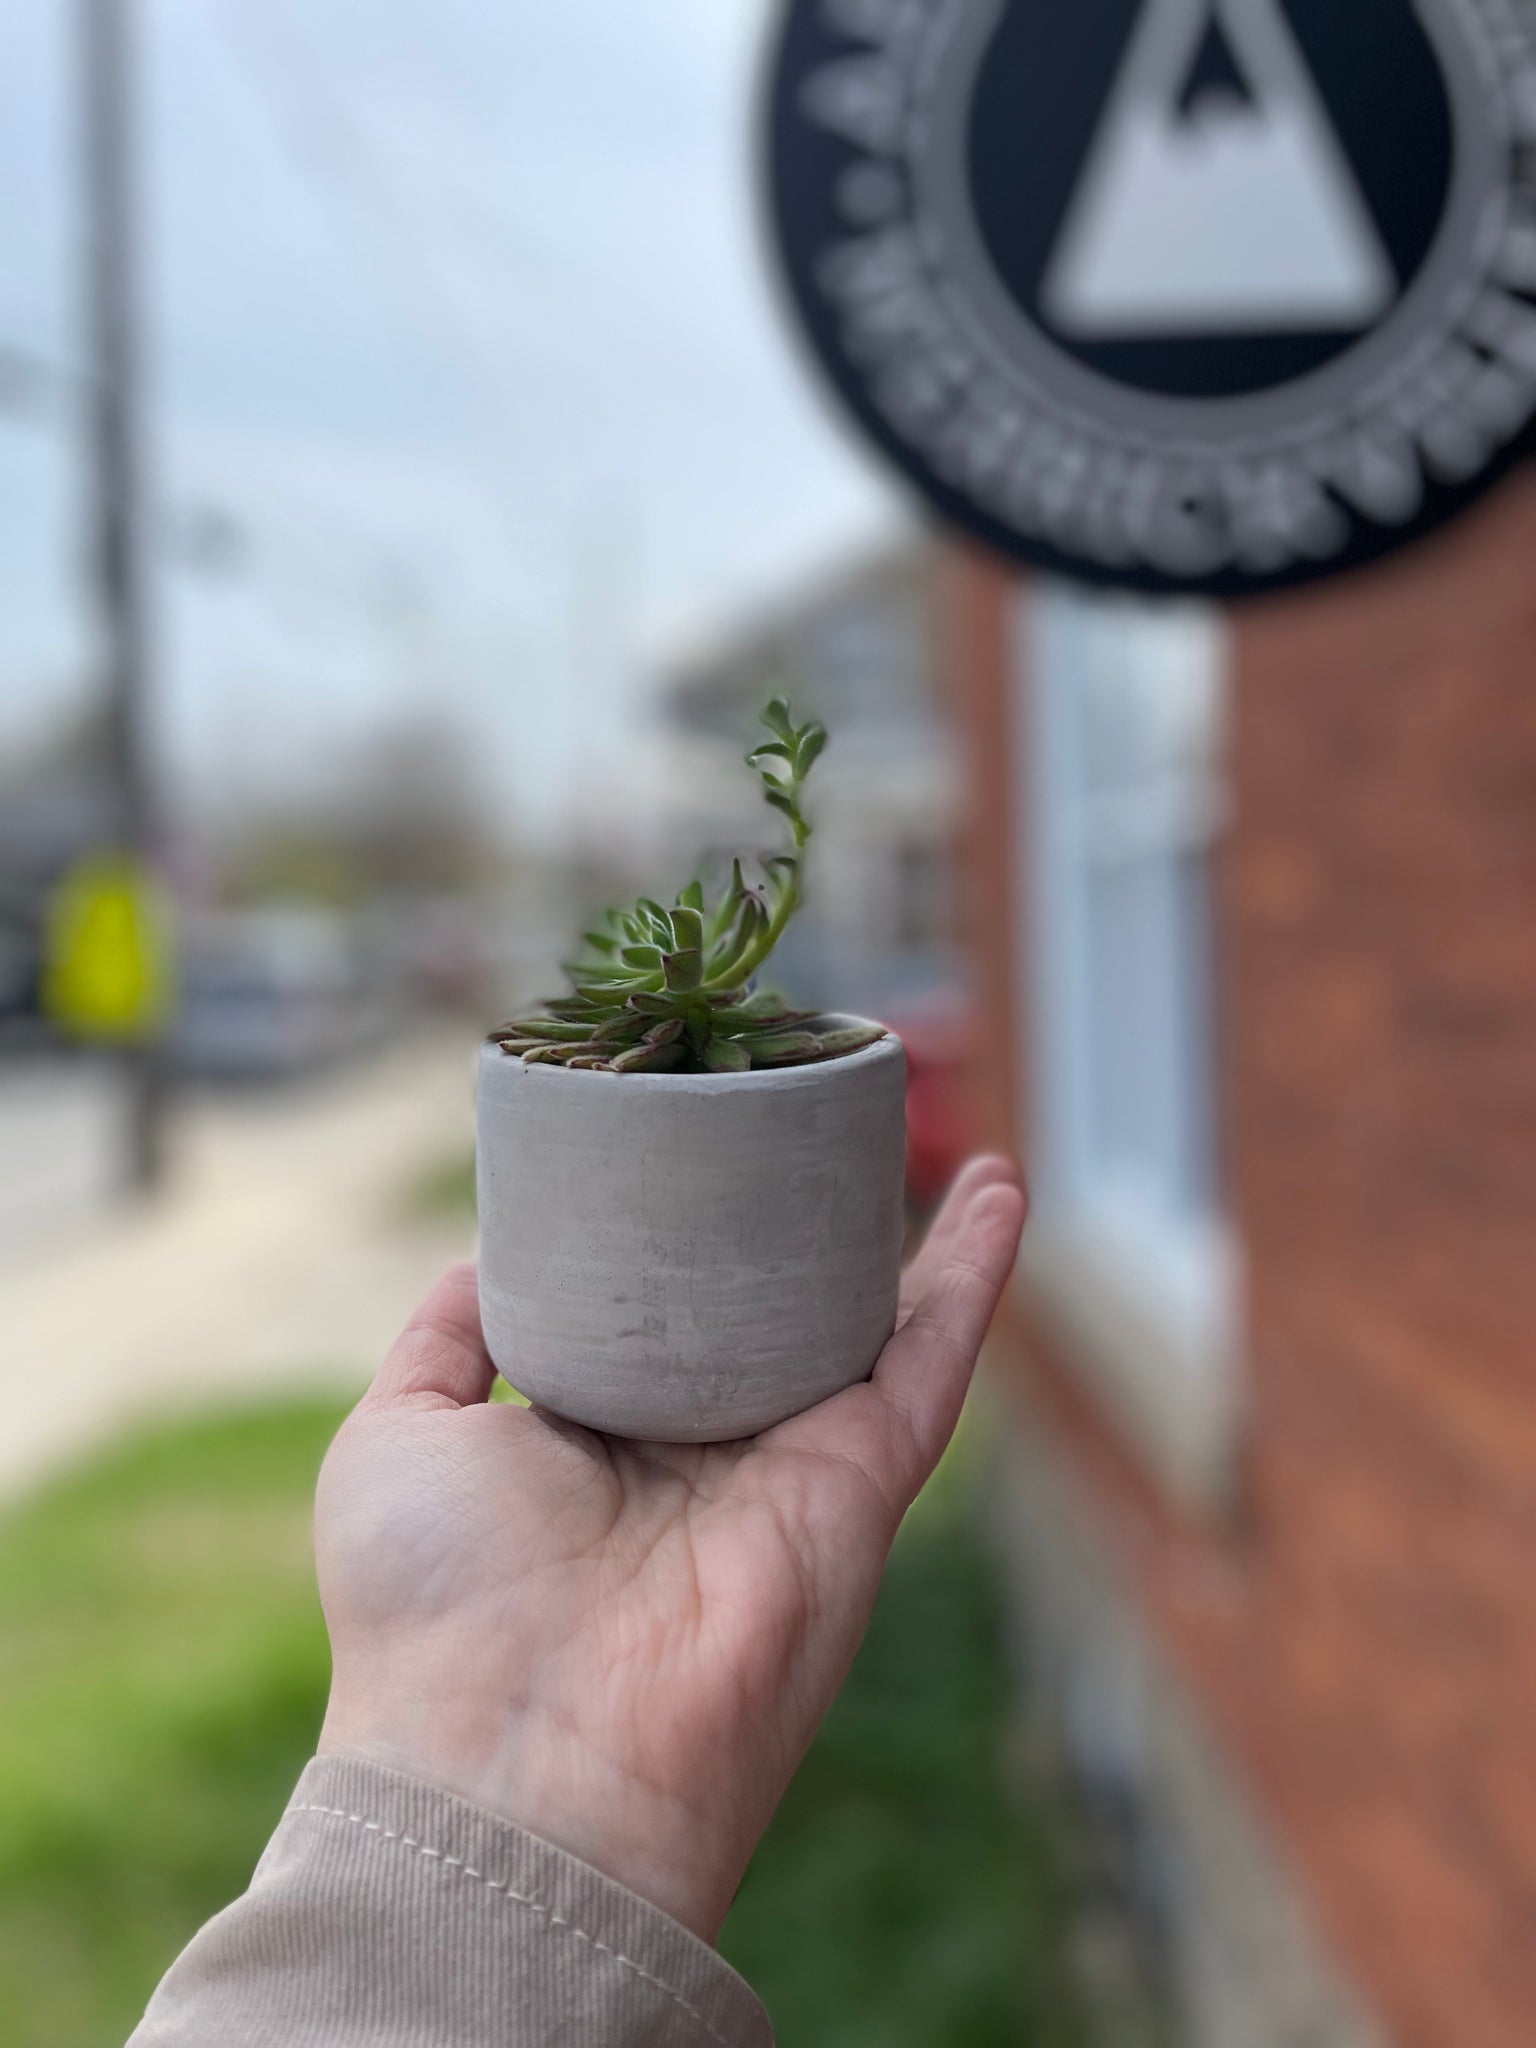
894,1428
924,1373
986,1170
440,1355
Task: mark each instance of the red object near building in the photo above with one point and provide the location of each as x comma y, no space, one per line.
940,1042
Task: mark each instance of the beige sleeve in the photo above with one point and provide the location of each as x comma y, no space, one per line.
385,1914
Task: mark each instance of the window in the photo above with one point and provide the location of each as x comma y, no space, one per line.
1121,728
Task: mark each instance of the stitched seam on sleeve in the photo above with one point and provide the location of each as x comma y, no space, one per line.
491,1884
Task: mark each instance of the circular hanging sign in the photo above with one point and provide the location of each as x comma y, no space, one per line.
1195,295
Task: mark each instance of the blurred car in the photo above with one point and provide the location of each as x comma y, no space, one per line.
20,968
269,993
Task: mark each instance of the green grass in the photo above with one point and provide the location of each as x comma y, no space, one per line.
904,1898
162,1672
444,1191
162,1675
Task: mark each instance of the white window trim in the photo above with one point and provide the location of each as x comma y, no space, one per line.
1149,1305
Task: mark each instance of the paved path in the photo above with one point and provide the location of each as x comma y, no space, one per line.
286,1255
61,1130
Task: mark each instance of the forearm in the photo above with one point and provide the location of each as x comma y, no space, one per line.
387,1914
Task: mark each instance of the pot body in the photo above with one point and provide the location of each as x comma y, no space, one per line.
690,1258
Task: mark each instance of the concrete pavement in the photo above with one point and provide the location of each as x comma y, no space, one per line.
285,1255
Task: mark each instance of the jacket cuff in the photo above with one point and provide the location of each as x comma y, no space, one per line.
390,1914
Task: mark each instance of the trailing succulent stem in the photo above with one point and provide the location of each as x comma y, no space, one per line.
658,990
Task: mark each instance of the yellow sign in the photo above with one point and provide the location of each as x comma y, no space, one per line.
107,952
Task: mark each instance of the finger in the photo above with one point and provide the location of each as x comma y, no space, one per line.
441,1352
925,1371
988,1170
893,1430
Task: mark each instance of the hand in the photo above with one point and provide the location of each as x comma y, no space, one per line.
626,1648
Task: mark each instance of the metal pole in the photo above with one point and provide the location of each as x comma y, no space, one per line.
117,553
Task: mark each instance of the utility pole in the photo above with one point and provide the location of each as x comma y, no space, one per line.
108,103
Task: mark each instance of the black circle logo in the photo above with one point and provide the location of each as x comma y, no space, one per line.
1211,295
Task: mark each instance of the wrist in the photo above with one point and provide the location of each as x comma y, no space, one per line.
541,1779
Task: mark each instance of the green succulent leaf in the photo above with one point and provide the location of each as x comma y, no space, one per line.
813,740
783,880
777,718
692,897
725,1056
751,927
684,971
837,1044
755,1011
782,1048
687,930
546,1030
649,1059
725,910
621,1030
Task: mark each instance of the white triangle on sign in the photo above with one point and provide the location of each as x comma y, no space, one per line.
1228,214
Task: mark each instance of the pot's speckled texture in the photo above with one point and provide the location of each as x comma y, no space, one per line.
690,1258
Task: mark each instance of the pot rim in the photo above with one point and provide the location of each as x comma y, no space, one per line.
887,1048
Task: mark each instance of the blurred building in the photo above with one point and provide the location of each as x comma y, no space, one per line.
878,932
1256,983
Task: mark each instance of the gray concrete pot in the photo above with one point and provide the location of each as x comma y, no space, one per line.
690,1258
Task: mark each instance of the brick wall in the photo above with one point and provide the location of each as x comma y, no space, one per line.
1363,1634
1379,946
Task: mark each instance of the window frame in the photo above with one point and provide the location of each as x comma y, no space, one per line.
1146,1292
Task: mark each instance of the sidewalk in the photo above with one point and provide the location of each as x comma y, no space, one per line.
284,1256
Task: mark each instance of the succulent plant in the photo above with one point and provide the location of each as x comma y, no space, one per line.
662,990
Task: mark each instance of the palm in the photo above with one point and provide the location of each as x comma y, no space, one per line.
624,1646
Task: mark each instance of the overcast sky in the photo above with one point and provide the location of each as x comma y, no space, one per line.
458,311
